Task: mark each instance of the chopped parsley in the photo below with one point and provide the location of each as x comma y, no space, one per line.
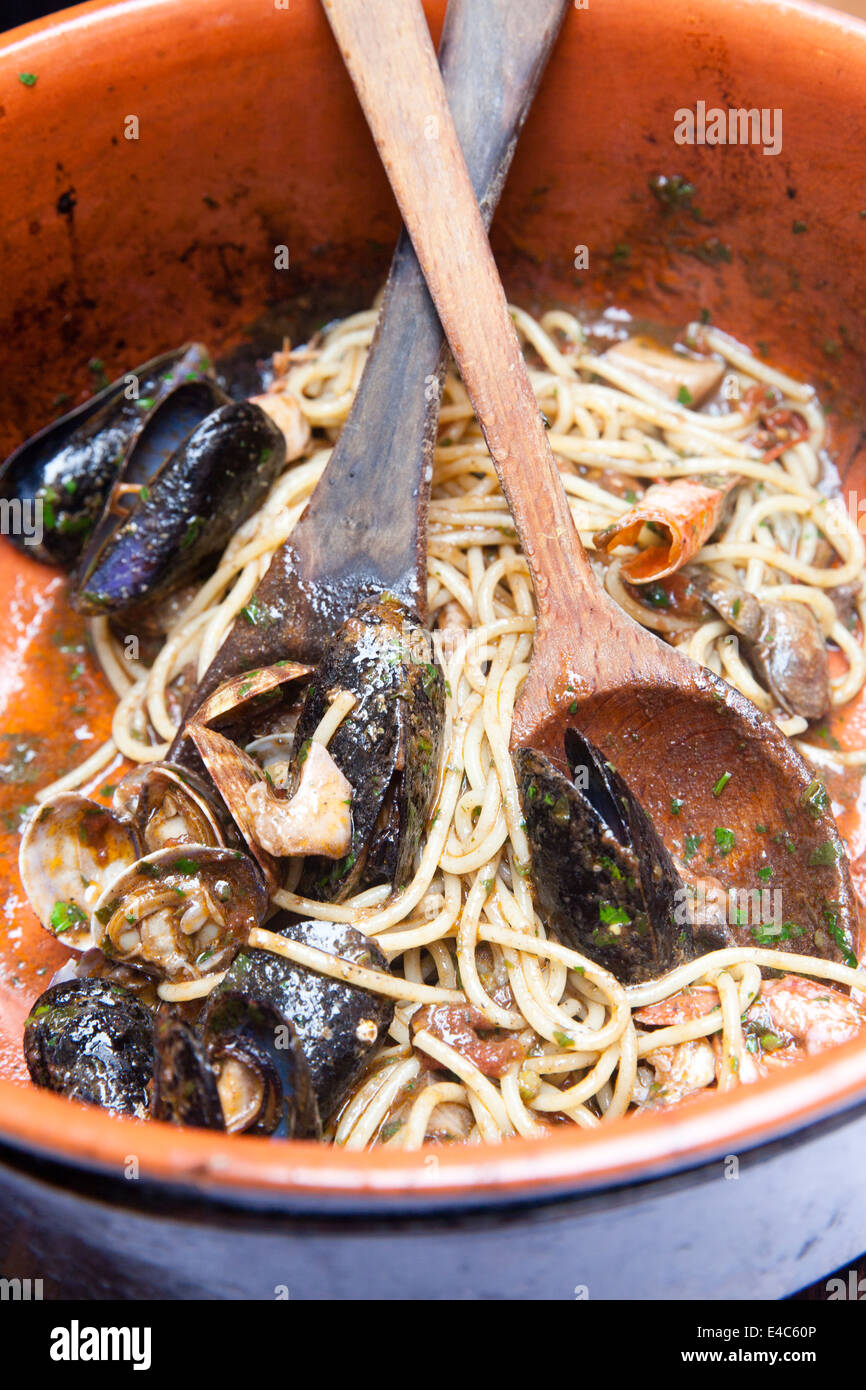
613,915
65,916
824,856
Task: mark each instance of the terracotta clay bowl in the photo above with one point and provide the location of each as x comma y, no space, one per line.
249,137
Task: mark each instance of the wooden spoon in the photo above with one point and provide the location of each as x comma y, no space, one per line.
364,531
698,754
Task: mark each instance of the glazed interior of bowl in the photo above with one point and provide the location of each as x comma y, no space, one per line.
123,237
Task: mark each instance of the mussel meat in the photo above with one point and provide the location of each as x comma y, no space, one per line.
91,1041
263,1079
602,874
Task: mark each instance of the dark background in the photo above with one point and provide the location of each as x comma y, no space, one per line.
14,12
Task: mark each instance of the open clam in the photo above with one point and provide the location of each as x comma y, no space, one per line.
169,806
71,851
181,913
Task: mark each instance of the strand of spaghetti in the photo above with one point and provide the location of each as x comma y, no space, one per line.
474,1080
415,1129
626,1074
376,1112
80,774
366,1092
334,716
582,1038
521,1117
324,963
702,967
733,1044
179,991
121,674
551,1099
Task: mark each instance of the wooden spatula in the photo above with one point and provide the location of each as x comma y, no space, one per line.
703,760
364,531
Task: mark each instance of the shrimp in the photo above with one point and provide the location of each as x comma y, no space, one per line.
681,1070
794,1017
683,515
791,1018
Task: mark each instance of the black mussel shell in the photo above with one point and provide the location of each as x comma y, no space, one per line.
388,746
185,513
70,466
338,1025
238,1025
91,1041
602,875
184,1082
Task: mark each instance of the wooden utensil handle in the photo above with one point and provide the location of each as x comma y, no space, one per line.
389,55
491,57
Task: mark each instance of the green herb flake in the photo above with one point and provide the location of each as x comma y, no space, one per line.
691,845
824,856
64,916
613,915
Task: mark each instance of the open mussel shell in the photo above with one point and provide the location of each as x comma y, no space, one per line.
91,1041
339,1026
602,875
388,746
227,720
169,806
184,1082
181,913
263,1079
253,699
71,851
234,772
69,467
174,507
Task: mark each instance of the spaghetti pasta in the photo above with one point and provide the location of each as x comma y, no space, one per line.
465,930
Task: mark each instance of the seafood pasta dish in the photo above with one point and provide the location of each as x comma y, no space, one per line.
323,900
